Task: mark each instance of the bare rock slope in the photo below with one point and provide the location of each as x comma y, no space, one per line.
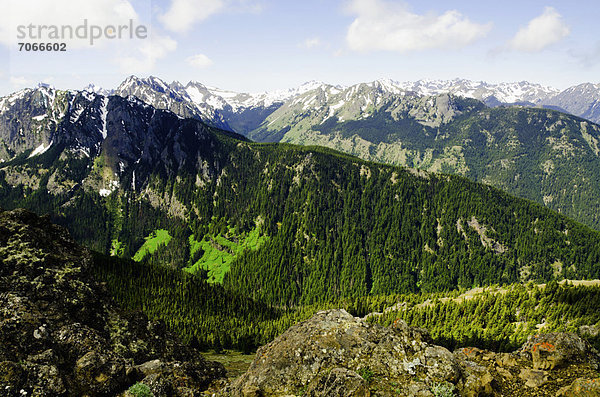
336,354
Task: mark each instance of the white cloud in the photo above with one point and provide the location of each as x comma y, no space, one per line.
60,13
382,25
183,14
312,42
540,32
150,51
199,61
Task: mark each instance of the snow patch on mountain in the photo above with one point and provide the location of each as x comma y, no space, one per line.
103,116
40,150
94,89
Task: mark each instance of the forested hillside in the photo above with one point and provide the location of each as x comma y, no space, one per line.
235,241
341,227
539,154
282,224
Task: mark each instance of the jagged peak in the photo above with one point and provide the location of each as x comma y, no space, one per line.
94,89
133,80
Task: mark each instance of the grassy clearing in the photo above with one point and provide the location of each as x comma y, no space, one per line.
220,251
152,242
235,363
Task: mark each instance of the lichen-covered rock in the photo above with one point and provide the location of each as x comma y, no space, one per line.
345,355
339,382
533,377
552,350
99,373
476,380
581,387
336,354
61,334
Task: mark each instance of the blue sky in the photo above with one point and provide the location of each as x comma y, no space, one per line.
257,45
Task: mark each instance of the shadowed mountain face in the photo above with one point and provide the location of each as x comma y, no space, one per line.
117,172
62,335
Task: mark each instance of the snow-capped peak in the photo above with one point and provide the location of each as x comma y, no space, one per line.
94,89
522,91
265,99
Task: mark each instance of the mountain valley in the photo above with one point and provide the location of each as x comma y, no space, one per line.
230,243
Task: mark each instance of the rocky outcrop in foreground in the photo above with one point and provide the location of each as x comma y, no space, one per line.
61,335
334,354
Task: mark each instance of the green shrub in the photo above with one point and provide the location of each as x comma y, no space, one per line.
140,390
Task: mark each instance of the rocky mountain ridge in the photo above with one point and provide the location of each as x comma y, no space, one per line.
110,139
222,108
334,354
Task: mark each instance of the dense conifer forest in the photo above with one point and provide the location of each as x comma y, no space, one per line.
209,316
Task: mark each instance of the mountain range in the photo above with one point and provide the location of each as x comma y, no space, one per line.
514,136
231,242
216,104
144,183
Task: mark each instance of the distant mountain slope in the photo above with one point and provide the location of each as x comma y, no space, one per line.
582,100
173,97
542,155
243,112
240,112
322,108
491,94
280,223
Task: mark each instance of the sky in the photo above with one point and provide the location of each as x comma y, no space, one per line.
261,45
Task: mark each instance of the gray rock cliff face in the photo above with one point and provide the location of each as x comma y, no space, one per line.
95,141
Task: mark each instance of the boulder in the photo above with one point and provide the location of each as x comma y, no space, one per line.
336,354
581,387
98,373
340,353
552,350
476,380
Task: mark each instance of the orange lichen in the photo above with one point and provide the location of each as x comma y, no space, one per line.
544,345
468,351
